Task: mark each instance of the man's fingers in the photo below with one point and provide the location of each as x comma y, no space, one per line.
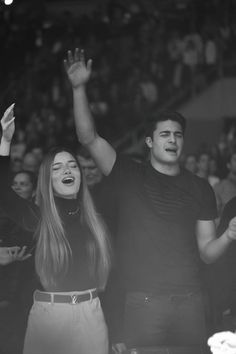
81,56
66,65
70,57
89,65
8,114
76,55
9,122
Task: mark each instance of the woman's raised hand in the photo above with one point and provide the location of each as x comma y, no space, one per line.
77,70
8,123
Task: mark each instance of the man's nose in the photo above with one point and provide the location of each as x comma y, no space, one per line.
172,138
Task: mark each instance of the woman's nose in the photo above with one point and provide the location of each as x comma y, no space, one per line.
67,169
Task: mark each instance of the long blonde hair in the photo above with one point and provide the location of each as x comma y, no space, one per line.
53,252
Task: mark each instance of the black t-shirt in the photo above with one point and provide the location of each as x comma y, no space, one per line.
157,215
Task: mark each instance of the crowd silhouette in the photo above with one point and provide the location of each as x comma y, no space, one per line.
142,57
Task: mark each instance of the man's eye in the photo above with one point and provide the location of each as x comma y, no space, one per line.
164,134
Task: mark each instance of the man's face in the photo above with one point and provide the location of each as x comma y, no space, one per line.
91,172
167,143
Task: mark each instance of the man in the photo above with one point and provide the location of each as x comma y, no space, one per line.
165,220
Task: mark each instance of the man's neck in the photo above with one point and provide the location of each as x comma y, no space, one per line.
166,169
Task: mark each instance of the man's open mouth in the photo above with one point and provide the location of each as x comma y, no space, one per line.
172,150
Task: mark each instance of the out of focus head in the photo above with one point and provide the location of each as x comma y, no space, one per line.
38,152
231,164
24,184
91,172
190,163
59,175
30,162
203,162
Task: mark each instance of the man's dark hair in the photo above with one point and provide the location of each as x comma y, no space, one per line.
162,117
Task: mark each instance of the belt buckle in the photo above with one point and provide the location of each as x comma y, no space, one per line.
74,299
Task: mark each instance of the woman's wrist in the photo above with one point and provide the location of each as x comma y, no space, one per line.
5,146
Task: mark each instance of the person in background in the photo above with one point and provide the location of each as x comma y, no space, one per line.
165,225
226,275
190,163
226,188
91,172
30,162
72,254
17,278
203,168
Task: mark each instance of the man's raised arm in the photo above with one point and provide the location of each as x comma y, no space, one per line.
79,74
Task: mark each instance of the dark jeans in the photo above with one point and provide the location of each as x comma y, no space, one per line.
164,320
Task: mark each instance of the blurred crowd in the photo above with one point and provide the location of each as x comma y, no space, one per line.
142,56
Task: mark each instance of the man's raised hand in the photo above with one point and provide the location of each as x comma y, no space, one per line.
77,70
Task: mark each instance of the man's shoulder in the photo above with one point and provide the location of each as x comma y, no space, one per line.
195,182
187,175
128,162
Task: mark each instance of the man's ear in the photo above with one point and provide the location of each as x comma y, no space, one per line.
148,141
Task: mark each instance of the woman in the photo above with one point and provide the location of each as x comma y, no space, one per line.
72,256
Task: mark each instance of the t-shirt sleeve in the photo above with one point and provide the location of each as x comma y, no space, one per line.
23,212
229,212
208,208
123,168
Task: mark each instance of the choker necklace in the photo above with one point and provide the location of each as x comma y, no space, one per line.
73,212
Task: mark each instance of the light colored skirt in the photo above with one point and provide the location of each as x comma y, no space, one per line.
62,328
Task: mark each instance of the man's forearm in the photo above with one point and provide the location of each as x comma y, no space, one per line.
5,147
216,248
85,126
